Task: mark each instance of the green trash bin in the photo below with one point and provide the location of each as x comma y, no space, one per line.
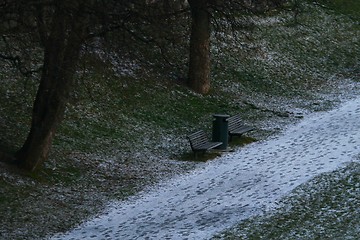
220,130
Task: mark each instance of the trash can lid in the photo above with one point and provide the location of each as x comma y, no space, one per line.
221,115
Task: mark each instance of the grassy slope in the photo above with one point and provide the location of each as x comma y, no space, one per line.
327,207
122,133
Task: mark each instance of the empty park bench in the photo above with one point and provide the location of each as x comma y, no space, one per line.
236,127
200,143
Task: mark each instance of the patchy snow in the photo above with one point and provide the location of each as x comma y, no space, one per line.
236,186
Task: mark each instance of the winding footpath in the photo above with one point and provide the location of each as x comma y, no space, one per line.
235,186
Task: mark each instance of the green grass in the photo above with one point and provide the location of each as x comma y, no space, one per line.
327,207
278,61
120,131
348,7
319,50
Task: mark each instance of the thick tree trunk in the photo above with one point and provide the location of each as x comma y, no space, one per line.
62,51
199,62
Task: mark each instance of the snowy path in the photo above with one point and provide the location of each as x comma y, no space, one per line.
235,186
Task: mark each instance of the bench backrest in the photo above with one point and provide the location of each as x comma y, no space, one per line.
234,122
197,139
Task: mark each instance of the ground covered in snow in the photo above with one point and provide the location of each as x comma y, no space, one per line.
249,182
278,71
326,207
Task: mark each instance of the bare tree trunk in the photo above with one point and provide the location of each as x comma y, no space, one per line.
199,63
62,50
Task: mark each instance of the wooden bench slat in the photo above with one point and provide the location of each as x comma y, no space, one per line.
200,143
241,130
236,127
208,145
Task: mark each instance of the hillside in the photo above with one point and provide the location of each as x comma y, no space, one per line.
125,128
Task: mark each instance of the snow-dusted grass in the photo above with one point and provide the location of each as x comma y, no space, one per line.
327,207
238,185
127,130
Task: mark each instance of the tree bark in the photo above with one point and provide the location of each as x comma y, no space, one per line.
62,50
199,61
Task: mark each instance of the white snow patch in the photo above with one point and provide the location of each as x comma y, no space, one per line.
236,186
